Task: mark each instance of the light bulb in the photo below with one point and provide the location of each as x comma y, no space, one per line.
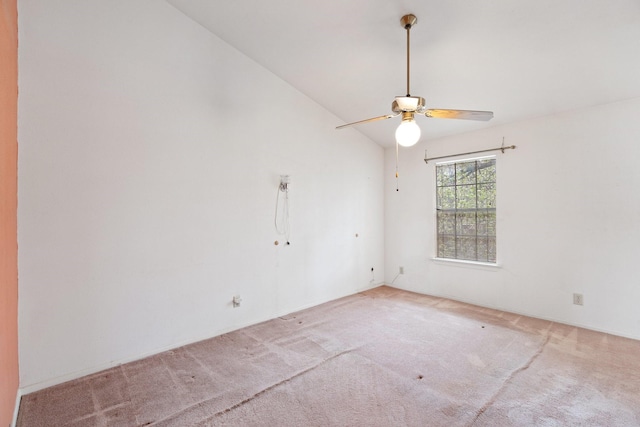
408,133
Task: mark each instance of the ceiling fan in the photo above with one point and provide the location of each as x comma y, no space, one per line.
408,133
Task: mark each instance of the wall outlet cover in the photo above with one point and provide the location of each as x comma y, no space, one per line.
578,299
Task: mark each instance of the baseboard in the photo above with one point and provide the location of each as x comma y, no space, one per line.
16,409
526,314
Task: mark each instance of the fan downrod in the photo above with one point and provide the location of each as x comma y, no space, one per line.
407,22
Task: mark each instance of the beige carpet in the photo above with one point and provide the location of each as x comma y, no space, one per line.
380,358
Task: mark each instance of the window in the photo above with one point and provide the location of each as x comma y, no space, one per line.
466,210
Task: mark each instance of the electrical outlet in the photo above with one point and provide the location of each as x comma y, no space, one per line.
578,299
401,270
236,301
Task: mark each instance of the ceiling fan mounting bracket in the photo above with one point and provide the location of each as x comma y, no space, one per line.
408,21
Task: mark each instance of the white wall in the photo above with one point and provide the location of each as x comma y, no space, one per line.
149,161
568,219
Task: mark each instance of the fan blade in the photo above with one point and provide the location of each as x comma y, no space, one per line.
460,114
375,119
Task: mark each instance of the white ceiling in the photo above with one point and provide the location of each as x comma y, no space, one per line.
518,59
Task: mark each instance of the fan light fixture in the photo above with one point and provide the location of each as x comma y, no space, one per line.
408,133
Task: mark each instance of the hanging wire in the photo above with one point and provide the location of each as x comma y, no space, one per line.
397,189
284,227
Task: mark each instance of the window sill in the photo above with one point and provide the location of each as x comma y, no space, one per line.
462,262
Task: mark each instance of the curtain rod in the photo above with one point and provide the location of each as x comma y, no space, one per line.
502,148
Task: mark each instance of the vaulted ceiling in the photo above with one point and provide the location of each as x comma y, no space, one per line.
518,59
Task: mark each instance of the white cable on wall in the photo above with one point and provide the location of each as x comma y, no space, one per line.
281,220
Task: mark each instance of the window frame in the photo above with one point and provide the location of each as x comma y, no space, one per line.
488,237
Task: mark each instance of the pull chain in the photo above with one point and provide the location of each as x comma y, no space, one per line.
397,189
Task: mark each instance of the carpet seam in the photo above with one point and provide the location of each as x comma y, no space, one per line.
513,374
259,393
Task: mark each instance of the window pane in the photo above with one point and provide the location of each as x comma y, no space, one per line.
446,197
466,224
446,223
466,173
486,170
446,247
466,197
486,195
491,223
466,248
491,251
445,175
483,249
486,223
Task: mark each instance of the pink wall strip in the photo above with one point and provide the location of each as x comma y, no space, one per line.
8,210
